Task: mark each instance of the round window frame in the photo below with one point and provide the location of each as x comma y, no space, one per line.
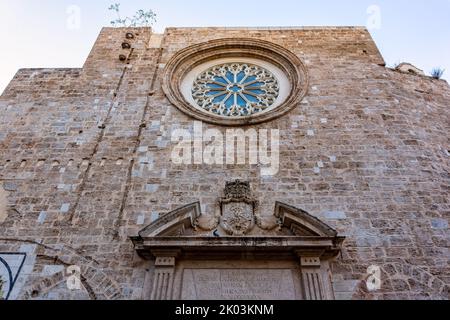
190,78
186,60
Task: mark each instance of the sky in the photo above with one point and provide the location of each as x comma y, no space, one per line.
61,33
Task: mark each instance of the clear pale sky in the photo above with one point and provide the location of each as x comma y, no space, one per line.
44,33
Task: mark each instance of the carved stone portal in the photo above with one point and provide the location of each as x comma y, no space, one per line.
256,258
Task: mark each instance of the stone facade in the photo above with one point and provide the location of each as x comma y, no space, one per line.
85,166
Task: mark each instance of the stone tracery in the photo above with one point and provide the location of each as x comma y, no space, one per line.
236,89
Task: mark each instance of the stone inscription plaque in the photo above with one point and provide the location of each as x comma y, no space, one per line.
238,284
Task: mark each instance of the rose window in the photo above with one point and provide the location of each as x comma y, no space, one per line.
236,89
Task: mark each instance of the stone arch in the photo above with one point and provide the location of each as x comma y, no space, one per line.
416,277
404,277
97,283
48,283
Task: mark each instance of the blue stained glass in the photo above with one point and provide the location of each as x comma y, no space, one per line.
241,101
230,76
229,102
236,90
250,79
256,84
240,76
221,80
219,98
251,98
215,86
256,91
213,93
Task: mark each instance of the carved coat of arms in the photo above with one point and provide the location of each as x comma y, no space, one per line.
238,209
237,218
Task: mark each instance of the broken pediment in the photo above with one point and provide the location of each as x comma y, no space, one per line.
238,217
301,223
286,220
238,225
180,222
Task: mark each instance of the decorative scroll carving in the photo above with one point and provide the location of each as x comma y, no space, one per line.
269,223
238,191
207,223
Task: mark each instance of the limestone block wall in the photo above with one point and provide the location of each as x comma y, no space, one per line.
85,163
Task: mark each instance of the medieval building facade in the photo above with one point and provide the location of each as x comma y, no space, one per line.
352,201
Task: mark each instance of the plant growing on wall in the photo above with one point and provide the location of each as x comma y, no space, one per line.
437,73
141,18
